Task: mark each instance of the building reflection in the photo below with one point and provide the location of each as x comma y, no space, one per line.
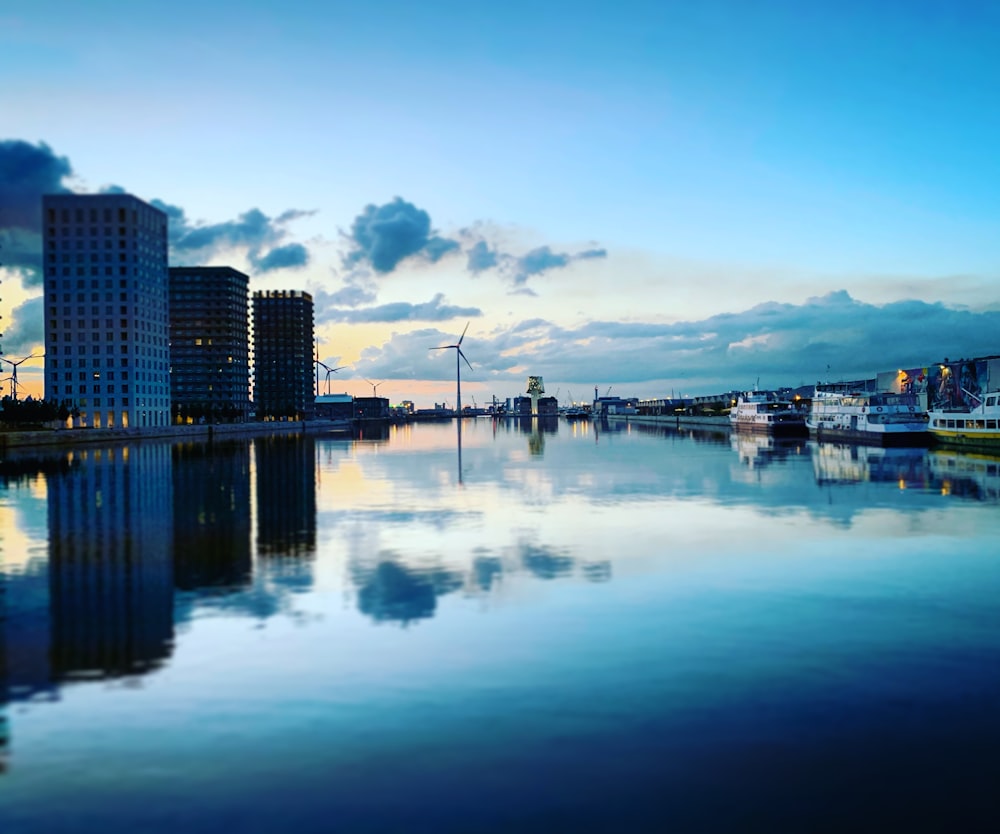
211,516
4,679
756,450
285,482
111,563
973,476
845,463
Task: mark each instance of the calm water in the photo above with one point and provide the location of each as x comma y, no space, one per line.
563,629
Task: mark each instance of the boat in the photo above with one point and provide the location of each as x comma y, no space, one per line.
977,426
879,419
766,412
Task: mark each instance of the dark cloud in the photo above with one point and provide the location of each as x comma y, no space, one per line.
26,173
259,235
24,330
21,250
289,256
382,236
434,310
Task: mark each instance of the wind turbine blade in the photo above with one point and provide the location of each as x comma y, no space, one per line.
463,334
442,347
467,362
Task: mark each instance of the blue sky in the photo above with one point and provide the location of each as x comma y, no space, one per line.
663,197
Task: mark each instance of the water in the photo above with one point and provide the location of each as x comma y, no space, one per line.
562,628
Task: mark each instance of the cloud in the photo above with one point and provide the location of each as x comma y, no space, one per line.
25,331
327,309
350,295
252,231
27,172
543,259
289,256
782,344
481,257
383,236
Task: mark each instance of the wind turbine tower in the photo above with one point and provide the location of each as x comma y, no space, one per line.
457,347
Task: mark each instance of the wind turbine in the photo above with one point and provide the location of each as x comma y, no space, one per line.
13,376
329,371
457,347
374,386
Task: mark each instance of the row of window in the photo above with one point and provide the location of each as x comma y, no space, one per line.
941,423
92,214
83,243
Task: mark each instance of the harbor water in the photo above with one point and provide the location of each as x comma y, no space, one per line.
523,626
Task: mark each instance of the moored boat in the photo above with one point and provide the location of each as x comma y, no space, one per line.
880,419
975,427
766,412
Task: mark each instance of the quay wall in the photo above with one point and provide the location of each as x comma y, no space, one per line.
62,437
674,420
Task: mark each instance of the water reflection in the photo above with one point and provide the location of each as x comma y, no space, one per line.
393,592
760,450
846,463
137,541
111,563
286,495
974,476
211,516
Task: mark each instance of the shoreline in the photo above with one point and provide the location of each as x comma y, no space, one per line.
12,441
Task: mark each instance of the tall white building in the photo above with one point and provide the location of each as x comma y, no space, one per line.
107,352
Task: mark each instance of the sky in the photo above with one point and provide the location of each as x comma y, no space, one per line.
648,198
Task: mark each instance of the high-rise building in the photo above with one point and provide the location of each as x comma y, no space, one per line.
106,309
209,344
283,354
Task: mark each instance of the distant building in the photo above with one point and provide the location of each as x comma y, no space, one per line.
371,408
106,309
209,344
525,406
283,354
335,407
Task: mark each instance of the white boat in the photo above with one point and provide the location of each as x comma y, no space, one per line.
977,427
880,419
766,412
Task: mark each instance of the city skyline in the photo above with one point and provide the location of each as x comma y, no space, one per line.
658,198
